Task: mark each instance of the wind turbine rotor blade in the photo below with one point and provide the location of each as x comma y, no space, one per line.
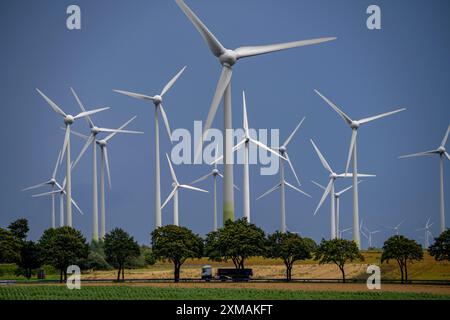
171,194
350,149
319,185
36,186
88,113
166,121
76,133
83,150
359,175
447,155
120,128
135,95
75,204
444,140
369,119
341,113
322,158
245,122
292,168
235,148
263,146
324,196
420,154
185,186
55,169
249,51
45,194
172,172
214,45
105,150
201,178
88,119
345,190
53,105
169,85
297,189
119,131
66,141
293,133
269,191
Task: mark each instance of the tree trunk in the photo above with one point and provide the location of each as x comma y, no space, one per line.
123,274
343,273
401,270
406,272
61,276
177,272
118,273
65,275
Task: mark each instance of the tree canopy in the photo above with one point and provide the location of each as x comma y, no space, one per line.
19,228
440,249
339,252
237,240
403,250
9,247
176,244
30,259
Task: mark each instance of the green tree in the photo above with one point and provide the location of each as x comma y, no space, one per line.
9,247
62,247
237,240
120,248
289,247
19,228
403,250
176,244
440,249
30,259
339,252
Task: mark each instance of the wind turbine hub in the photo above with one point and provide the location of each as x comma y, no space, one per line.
354,125
95,130
215,172
228,58
102,143
69,119
333,176
441,150
282,149
174,184
157,99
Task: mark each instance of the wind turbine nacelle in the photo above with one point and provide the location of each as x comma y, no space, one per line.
282,150
157,99
101,143
215,172
354,125
95,130
69,119
441,149
228,58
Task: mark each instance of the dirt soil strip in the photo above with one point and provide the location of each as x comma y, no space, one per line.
339,287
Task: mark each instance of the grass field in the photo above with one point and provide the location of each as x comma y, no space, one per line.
53,292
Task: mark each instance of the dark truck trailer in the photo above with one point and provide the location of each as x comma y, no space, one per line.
234,274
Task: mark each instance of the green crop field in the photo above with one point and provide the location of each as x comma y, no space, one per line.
56,292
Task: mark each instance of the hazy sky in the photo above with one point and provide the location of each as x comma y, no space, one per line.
139,45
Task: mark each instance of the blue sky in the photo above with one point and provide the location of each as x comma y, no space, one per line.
139,45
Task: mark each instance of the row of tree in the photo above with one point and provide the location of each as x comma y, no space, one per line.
236,241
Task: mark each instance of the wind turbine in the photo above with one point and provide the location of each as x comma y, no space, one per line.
370,234
397,227
337,196
91,142
344,230
68,121
330,188
214,173
227,59
174,194
354,125
52,183
441,152
157,101
62,192
103,144
427,231
245,142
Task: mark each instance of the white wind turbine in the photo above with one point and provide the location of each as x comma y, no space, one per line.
227,59
214,173
245,143
157,101
370,234
68,121
103,144
52,183
337,196
397,227
174,194
330,188
62,192
354,125
441,152
91,141
427,231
